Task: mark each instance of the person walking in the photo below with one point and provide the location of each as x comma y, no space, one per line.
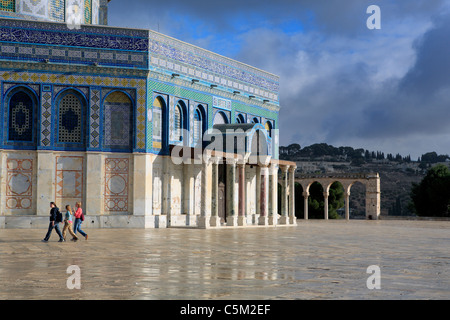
79,217
54,223
68,224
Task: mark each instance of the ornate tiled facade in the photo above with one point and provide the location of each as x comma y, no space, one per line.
91,114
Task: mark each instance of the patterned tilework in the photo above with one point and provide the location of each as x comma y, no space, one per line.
8,5
57,10
21,118
90,37
133,48
94,118
70,119
116,184
137,89
95,11
46,116
37,8
117,120
19,186
88,11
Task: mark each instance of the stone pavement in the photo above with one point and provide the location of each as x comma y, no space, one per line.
314,260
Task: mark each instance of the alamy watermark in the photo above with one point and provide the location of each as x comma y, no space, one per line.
374,281
374,21
74,281
74,17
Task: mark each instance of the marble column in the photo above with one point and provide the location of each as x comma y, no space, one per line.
273,194
188,192
347,205
143,189
264,197
205,215
242,195
305,205
325,205
292,217
258,194
284,196
215,219
231,193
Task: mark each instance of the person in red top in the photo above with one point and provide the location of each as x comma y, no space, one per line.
79,217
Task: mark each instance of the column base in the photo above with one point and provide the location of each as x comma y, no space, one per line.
204,222
284,220
293,220
214,221
273,220
232,221
242,221
263,221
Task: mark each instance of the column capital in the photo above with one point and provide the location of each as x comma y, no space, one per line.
284,168
292,169
305,194
326,194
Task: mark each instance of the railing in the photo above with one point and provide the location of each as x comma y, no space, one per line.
336,175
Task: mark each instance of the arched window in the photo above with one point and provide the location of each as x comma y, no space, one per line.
198,126
220,118
268,127
21,117
118,121
255,120
158,107
240,119
70,118
178,124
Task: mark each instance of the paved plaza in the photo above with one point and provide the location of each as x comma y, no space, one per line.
314,260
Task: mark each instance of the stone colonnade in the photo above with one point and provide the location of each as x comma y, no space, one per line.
370,181
236,196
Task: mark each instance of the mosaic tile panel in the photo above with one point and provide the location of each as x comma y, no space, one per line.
88,11
94,118
95,11
41,33
136,85
57,10
8,5
37,8
116,184
69,178
117,120
19,184
46,117
21,118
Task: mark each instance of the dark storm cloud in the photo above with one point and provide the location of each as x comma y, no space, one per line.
340,82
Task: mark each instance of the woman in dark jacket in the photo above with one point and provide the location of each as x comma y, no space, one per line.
54,223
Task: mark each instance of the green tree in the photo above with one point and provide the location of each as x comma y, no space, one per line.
316,203
431,197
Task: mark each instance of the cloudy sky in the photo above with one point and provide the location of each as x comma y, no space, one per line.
341,83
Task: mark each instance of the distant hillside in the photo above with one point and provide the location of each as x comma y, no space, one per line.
397,173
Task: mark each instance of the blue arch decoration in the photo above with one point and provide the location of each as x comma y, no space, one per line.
224,115
70,118
258,127
21,115
200,108
116,145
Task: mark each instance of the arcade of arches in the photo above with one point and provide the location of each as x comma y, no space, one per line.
370,181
